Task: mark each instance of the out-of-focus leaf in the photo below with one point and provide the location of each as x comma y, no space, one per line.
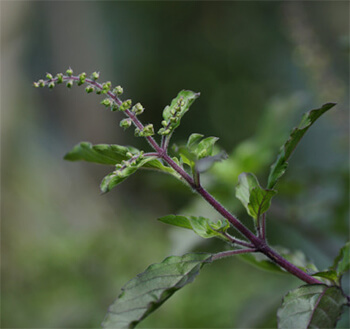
206,163
342,261
178,107
296,257
204,227
101,153
280,165
255,199
340,266
146,292
311,306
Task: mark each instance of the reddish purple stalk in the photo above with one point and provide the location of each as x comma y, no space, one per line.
257,243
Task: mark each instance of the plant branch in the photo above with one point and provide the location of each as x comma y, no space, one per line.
228,253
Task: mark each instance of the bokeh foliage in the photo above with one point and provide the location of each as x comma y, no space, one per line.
66,250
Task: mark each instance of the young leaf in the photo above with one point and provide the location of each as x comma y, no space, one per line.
342,261
179,106
280,165
147,291
204,227
119,175
340,266
311,306
255,199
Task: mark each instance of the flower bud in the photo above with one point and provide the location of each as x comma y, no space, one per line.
89,89
51,85
107,102
125,105
69,72
59,77
148,130
69,83
118,90
125,123
36,84
49,76
41,83
138,109
106,86
82,77
95,75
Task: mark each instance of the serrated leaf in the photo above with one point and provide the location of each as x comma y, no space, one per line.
279,167
202,226
311,306
147,291
185,98
119,175
254,198
101,153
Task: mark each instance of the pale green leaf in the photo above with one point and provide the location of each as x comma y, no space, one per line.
119,175
342,261
147,291
311,306
180,105
203,227
101,153
255,199
280,165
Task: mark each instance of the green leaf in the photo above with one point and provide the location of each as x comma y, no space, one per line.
340,266
119,175
342,261
193,140
279,167
311,306
101,153
147,291
296,257
205,147
204,227
178,107
255,199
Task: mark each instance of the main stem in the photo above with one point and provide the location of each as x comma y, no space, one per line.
259,244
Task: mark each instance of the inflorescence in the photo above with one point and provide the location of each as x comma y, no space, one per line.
112,100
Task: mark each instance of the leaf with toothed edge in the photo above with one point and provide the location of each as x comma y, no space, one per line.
311,306
146,292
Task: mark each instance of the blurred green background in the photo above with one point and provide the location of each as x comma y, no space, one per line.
66,250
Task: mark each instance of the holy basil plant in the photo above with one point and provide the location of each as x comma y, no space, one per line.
318,303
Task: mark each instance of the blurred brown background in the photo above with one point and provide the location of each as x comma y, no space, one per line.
67,250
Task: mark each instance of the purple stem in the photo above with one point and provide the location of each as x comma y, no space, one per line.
259,244
231,253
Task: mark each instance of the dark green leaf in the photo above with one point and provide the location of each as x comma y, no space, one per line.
146,292
101,153
255,199
205,147
204,227
311,306
280,165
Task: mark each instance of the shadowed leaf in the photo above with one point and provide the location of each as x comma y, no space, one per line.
147,291
311,306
